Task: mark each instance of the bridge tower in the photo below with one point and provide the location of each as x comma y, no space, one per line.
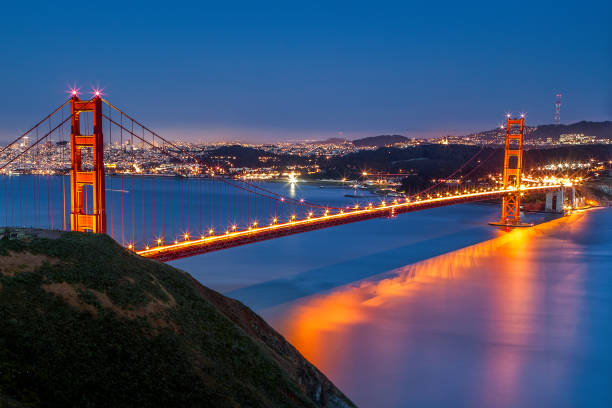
513,163
95,218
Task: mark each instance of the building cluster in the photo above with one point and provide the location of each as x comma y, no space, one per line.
498,137
581,138
53,157
312,149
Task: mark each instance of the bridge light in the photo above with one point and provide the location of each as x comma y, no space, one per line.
74,91
147,247
211,231
234,227
130,246
274,220
226,232
159,241
175,241
186,237
254,223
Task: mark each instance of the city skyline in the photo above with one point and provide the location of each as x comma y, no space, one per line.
282,72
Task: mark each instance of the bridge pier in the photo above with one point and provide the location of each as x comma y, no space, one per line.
560,199
555,199
548,206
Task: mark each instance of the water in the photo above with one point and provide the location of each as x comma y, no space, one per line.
141,210
436,308
432,308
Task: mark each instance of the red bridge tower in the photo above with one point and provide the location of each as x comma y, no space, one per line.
95,219
513,164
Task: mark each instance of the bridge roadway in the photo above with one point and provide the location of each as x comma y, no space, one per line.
212,243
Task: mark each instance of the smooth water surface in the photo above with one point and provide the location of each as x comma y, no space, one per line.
436,308
427,309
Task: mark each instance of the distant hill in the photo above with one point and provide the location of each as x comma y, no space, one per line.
597,129
379,141
242,156
543,132
86,323
331,140
425,162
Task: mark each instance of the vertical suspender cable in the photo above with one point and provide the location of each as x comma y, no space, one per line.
122,187
187,201
63,173
144,230
110,177
153,203
133,188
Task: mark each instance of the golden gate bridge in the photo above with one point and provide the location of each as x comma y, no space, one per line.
87,160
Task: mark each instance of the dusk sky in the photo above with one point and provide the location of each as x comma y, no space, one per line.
256,71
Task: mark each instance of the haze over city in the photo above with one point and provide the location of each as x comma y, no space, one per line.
278,71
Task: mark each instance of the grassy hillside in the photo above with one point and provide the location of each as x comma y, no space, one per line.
86,323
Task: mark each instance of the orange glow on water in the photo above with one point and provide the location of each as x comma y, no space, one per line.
497,282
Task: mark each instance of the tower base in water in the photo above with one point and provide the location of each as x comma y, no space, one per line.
511,224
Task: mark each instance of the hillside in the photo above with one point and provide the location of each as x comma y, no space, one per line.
597,129
380,141
331,140
242,156
86,323
543,132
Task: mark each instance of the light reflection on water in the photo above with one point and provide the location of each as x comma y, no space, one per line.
519,320
523,319
397,314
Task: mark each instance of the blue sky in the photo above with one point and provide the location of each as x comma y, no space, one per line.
291,70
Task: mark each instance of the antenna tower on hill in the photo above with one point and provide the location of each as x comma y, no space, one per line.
558,108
